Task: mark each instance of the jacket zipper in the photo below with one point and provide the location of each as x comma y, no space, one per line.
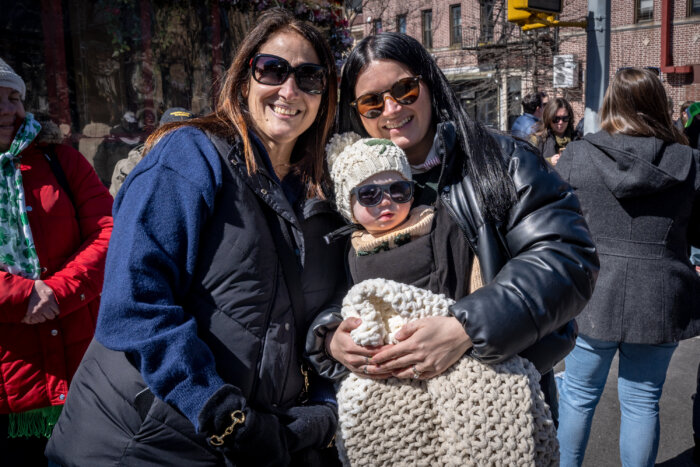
268,317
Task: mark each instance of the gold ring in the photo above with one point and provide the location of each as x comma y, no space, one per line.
416,373
364,370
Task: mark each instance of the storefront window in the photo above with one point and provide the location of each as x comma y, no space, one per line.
106,70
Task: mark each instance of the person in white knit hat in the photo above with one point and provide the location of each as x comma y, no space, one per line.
374,189
10,79
55,225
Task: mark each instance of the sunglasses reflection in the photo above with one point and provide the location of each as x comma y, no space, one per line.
372,194
405,92
272,70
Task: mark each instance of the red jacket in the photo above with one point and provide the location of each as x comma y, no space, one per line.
37,361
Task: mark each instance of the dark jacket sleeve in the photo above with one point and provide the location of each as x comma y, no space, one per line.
327,321
694,224
551,272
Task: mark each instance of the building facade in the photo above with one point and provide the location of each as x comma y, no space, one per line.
492,63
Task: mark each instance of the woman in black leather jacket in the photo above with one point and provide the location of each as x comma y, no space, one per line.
523,223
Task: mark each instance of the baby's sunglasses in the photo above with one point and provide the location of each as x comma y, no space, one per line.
371,194
273,71
405,91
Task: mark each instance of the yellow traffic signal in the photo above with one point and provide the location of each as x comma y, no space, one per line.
518,12
553,7
533,14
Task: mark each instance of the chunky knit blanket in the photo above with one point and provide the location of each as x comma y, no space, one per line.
472,415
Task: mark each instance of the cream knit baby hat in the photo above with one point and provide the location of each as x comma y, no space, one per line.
352,159
10,79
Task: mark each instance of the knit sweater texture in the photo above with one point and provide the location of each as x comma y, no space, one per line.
472,414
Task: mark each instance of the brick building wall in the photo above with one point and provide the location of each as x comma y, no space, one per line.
528,56
639,44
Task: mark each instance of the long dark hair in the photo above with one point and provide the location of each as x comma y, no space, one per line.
480,153
635,104
544,127
232,117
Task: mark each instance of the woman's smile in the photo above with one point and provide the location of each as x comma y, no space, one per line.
397,125
284,111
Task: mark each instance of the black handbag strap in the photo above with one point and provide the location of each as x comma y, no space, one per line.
58,172
60,175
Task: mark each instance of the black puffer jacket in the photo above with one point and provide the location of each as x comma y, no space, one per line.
539,266
231,316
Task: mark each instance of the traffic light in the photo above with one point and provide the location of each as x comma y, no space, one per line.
532,14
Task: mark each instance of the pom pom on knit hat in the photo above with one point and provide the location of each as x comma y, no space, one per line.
10,79
353,159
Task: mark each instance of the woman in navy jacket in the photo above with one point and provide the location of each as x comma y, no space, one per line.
198,356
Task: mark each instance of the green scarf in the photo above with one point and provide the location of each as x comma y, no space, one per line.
17,252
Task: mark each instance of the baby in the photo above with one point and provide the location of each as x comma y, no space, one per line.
407,264
373,188
418,246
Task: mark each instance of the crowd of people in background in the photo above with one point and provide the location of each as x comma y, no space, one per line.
223,332
640,165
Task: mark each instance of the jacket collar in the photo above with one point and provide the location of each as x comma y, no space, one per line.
444,145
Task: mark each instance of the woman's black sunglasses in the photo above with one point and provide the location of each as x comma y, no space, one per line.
564,119
371,195
405,91
273,71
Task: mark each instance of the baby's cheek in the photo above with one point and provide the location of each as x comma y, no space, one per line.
361,213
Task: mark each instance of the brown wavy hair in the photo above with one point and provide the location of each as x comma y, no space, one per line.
544,127
232,118
635,104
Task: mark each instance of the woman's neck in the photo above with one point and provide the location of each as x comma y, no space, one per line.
280,155
417,154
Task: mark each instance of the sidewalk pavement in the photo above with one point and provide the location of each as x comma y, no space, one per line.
676,445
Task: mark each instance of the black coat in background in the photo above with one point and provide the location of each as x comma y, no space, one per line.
693,133
641,199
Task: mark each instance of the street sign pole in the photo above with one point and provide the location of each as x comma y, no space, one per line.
597,62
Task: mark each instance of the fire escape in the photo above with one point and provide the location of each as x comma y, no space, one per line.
507,52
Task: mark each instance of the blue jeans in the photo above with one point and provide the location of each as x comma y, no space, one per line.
641,376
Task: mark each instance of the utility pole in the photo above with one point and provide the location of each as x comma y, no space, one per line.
597,61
